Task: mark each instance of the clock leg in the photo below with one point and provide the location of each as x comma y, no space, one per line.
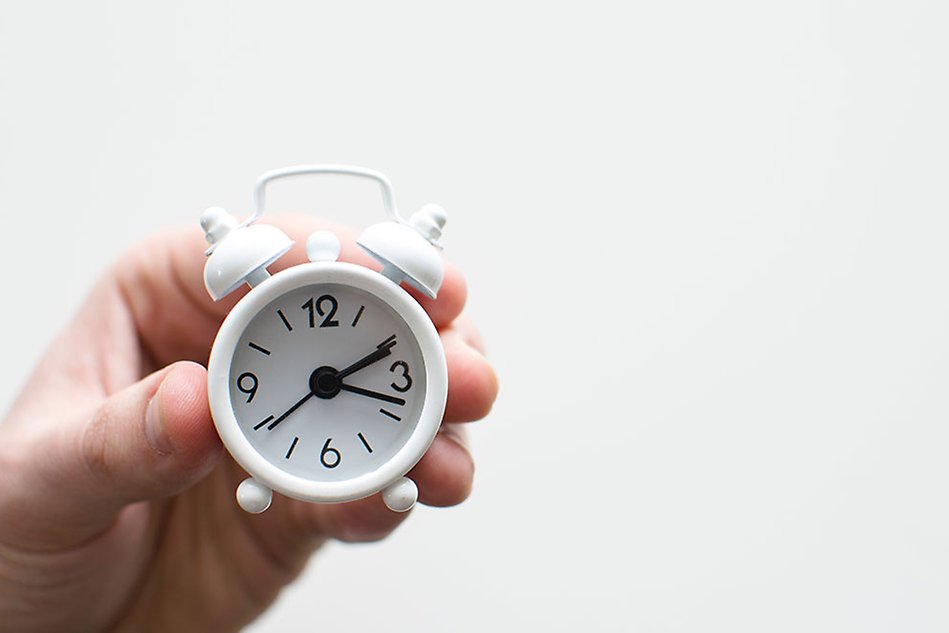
253,496
401,495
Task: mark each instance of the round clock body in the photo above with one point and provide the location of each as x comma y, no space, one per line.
327,382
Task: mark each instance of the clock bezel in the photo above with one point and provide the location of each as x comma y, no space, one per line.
265,471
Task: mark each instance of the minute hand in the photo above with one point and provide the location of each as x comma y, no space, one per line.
373,394
382,350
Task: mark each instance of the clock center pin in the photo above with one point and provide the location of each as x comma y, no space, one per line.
324,382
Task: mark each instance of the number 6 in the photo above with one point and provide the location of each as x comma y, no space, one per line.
326,450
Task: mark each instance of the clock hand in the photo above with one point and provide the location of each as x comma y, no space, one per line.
326,383
372,394
300,403
383,349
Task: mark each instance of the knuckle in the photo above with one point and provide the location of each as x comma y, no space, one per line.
96,444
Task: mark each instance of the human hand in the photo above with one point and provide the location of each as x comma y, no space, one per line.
117,506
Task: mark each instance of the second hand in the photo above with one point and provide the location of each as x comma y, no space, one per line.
300,403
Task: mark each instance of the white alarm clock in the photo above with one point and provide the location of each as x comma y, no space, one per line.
327,382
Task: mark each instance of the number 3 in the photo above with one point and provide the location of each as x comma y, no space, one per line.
405,374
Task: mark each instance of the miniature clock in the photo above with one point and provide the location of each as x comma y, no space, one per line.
327,382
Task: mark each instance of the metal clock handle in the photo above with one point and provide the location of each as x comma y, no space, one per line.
388,197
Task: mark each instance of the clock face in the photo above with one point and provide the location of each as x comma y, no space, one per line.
327,382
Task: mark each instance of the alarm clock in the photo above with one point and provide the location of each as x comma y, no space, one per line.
327,381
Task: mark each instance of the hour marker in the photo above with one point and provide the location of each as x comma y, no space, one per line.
262,350
389,342
284,319
293,445
358,314
390,414
260,424
364,442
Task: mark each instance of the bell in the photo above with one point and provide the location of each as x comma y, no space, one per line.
238,254
409,251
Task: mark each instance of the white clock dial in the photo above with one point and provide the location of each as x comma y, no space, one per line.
327,382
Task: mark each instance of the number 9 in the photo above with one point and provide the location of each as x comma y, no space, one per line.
250,391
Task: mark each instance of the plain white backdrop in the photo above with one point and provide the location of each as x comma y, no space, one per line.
706,244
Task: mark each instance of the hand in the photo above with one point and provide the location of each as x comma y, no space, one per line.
117,506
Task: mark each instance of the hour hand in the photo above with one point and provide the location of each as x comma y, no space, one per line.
382,350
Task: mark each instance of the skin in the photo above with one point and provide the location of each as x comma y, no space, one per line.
117,507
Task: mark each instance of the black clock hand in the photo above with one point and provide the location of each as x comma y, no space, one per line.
372,394
383,349
300,403
333,380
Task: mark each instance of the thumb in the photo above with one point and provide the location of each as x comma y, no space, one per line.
153,439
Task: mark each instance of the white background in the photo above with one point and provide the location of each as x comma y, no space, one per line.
706,243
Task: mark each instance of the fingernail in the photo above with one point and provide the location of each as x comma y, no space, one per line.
154,428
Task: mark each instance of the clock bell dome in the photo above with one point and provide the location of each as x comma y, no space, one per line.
238,254
408,251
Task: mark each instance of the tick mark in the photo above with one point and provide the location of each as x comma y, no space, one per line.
364,442
284,319
257,426
358,314
390,414
293,445
262,350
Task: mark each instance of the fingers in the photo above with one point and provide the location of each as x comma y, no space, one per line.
472,383
161,280
451,298
150,440
469,333
358,521
445,473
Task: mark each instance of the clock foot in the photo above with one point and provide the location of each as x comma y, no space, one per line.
253,496
401,495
